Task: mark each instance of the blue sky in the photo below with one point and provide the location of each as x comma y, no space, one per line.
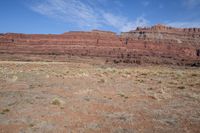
58,16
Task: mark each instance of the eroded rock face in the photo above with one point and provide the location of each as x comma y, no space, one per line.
167,42
163,34
157,44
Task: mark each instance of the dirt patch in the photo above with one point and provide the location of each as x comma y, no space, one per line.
81,97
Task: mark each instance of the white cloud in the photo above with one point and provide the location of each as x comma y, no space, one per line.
87,14
69,11
115,21
139,22
123,24
184,24
191,3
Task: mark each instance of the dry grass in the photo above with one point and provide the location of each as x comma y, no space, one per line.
81,97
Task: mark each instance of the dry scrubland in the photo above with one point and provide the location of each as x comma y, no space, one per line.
78,97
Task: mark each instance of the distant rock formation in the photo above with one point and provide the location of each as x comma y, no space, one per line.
161,33
157,44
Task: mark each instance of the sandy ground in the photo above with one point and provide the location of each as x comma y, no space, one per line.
45,97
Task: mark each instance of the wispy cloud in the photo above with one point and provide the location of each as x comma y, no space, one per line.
122,23
184,24
68,10
86,14
139,22
191,3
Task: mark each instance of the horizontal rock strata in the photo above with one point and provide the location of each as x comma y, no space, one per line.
158,44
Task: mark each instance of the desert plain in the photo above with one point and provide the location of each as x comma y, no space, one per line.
50,97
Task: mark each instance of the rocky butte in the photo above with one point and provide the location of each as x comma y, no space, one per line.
158,44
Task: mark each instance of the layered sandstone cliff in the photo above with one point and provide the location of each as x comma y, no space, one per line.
166,41
161,33
157,44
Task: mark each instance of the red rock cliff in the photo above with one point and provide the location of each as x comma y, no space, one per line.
157,44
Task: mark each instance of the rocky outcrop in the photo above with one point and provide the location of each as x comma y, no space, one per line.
161,33
166,42
157,44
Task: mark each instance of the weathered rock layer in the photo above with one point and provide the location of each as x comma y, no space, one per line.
157,44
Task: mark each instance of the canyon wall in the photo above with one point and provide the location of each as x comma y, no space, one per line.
166,42
158,44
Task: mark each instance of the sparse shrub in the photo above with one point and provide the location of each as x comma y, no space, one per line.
31,86
181,87
194,75
5,111
61,107
172,83
150,88
192,85
31,125
123,96
127,72
116,61
140,80
101,81
126,97
56,102
197,84
143,74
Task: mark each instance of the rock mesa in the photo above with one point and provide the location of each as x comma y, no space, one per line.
157,44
